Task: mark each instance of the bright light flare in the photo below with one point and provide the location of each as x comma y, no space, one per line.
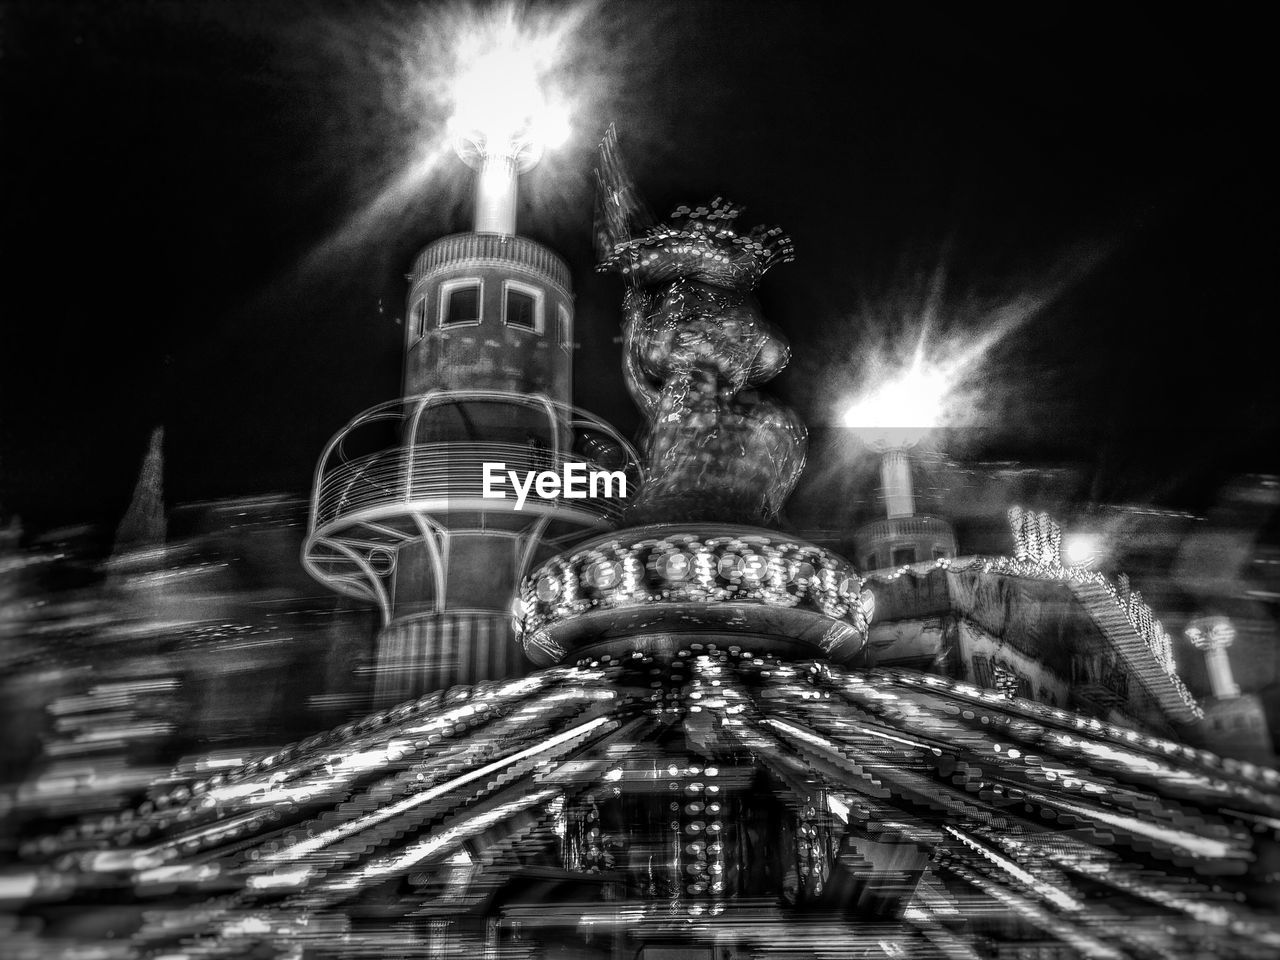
1082,548
503,90
463,77
922,360
904,404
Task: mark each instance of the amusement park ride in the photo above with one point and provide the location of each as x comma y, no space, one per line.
657,726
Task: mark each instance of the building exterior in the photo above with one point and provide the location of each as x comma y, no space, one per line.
399,512
902,537
656,725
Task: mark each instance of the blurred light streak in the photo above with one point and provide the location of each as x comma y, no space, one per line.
1045,890
1191,843
445,839
337,833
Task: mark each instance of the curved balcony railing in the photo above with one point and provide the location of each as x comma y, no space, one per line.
441,477
473,247
403,477
904,528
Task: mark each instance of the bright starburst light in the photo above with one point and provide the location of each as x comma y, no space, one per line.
921,360
467,80
1082,547
905,401
503,92
904,407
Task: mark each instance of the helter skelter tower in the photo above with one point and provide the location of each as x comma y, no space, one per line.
399,515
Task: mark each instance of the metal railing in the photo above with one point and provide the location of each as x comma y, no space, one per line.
471,247
894,528
409,477
438,476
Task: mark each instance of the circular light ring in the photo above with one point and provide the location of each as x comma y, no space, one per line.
729,567
686,567
603,575
553,587
755,568
674,567
547,588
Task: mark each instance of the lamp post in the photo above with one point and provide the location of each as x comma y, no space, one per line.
502,121
487,382
891,420
1212,636
895,481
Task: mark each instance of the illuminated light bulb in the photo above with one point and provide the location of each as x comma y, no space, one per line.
675,566
754,568
604,574
547,589
730,566
1082,548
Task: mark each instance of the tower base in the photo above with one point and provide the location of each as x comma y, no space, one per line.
417,655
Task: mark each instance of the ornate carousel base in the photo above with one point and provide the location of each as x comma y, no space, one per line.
660,587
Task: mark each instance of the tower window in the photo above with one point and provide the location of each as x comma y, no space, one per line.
903,556
564,327
418,318
460,303
522,306
520,309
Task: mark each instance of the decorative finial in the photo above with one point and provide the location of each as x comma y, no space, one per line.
1212,636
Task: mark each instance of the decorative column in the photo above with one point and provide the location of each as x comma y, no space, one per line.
895,480
1212,636
496,191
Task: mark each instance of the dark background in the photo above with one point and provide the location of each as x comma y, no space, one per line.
192,237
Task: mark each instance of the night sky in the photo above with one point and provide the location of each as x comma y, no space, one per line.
192,235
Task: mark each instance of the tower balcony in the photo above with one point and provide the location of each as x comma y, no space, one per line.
414,471
901,541
472,250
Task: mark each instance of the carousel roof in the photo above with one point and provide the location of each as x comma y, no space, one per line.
919,802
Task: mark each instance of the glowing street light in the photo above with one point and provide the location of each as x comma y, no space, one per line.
503,115
900,412
904,408
1212,636
1081,548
